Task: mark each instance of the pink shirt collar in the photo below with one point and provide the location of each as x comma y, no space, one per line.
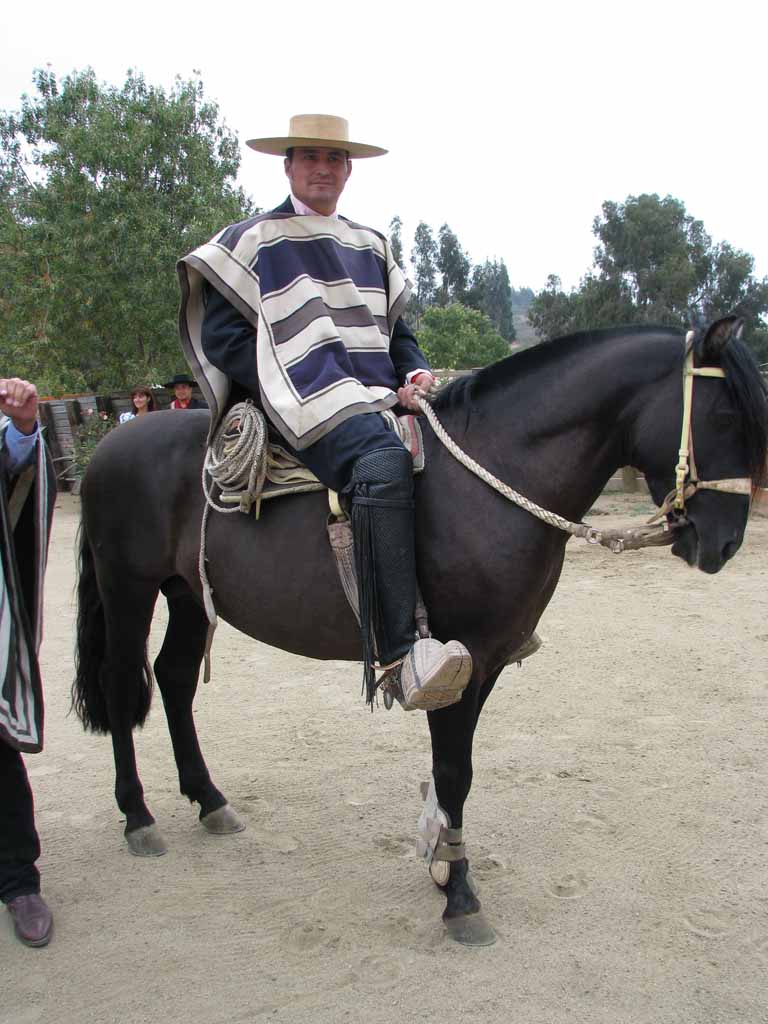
306,211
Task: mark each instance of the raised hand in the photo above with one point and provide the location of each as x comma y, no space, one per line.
18,400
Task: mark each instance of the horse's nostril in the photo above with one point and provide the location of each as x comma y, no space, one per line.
730,549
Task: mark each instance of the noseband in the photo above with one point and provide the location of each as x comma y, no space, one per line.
674,503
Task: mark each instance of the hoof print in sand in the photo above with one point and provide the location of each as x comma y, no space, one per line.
312,936
593,821
400,846
709,924
568,887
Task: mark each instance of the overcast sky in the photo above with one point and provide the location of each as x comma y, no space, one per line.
510,122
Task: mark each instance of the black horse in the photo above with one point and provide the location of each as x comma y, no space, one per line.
554,422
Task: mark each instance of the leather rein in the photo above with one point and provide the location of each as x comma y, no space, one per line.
672,509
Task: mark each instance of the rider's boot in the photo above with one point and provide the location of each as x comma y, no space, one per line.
430,674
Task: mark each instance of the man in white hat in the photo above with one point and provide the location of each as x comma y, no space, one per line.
300,309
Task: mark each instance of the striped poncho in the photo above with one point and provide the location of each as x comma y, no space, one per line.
26,508
323,296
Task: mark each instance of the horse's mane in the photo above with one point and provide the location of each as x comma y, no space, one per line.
465,390
750,396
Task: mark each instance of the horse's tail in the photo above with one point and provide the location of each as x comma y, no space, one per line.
88,700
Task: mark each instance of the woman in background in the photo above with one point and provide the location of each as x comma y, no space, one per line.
142,402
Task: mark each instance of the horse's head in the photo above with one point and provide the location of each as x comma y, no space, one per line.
726,455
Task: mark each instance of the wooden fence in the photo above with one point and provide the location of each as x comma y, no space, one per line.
60,418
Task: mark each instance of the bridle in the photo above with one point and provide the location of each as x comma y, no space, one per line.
687,482
672,509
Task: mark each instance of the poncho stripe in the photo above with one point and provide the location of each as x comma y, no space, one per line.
21,693
324,296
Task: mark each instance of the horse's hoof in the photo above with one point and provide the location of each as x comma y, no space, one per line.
224,821
470,929
440,872
146,841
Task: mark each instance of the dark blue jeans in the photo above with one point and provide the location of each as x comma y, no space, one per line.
19,843
333,457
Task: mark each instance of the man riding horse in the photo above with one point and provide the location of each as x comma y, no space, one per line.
299,310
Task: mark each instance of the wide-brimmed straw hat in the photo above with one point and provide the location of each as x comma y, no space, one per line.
316,130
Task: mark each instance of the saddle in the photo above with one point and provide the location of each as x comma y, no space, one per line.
248,467
278,472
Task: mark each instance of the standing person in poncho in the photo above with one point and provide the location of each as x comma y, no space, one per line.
27,492
300,310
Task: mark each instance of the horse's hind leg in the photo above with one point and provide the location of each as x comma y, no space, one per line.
126,683
177,667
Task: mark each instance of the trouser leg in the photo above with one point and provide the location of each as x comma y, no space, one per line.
368,462
19,843
383,529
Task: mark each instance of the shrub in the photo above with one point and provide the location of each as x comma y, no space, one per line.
95,427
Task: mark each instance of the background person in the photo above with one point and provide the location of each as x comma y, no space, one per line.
181,385
27,492
142,402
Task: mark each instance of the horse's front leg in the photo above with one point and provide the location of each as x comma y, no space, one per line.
177,667
442,840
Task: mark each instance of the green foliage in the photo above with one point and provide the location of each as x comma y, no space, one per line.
396,240
454,266
655,264
86,436
655,252
102,190
424,260
491,293
457,337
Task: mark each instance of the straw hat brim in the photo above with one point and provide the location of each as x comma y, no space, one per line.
279,146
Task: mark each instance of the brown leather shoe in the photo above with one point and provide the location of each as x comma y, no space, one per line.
34,921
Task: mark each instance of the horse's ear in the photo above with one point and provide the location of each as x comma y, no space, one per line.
720,334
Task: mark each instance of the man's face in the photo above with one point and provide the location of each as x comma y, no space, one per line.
183,392
318,176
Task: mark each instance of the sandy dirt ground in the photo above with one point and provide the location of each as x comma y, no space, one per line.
618,827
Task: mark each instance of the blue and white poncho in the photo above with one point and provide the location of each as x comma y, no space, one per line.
323,296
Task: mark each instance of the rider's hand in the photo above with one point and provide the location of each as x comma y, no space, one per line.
418,388
18,400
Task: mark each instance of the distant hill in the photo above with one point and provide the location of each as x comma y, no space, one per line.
525,336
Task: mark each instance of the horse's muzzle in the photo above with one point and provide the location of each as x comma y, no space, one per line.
710,555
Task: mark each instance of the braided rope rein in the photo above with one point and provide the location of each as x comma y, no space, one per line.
617,541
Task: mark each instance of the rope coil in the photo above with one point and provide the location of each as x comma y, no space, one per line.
237,458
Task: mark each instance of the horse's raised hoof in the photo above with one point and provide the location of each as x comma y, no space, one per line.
224,821
146,841
470,929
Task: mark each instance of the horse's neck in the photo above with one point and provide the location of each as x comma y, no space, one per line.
558,432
